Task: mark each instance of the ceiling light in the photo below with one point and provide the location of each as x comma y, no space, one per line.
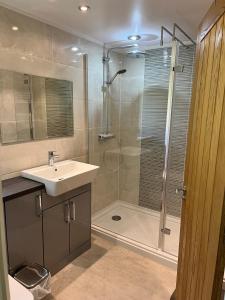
80,53
15,28
134,37
133,52
75,49
84,8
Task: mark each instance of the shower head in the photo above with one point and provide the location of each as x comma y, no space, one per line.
121,72
117,73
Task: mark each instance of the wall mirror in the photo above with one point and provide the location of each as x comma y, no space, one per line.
34,107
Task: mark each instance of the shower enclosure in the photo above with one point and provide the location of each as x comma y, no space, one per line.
142,145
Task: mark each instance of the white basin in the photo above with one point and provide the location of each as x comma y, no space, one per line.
64,176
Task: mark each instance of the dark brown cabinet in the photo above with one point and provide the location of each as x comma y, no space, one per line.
66,231
80,220
56,236
24,231
50,231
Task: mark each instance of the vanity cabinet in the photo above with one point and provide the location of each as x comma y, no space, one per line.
66,231
56,236
50,231
80,220
24,231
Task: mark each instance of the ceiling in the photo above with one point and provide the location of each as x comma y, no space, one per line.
114,20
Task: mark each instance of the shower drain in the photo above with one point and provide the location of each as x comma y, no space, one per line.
116,218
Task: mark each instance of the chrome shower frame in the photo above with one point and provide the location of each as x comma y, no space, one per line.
107,134
171,92
174,36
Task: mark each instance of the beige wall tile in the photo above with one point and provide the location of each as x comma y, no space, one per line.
8,132
33,37
132,88
42,50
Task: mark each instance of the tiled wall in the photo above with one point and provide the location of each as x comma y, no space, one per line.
157,70
39,49
119,157
132,86
43,50
154,113
106,153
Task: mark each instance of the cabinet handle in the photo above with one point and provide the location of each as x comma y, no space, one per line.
67,213
39,205
73,211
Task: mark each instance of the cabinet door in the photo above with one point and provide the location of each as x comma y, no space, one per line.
24,231
80,225
56,236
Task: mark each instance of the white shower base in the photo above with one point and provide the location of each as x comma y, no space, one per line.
139,227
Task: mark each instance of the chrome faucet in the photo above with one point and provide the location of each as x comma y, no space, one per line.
51,158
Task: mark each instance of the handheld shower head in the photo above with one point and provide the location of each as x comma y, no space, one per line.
117,73
121,72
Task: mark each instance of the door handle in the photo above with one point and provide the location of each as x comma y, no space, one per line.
39,205
67,213
72,210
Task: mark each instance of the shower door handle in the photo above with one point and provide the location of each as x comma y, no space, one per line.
182,192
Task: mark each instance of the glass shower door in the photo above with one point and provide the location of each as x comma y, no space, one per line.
179,117
152,138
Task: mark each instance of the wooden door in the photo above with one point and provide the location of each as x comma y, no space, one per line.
202,246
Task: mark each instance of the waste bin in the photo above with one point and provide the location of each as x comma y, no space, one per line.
36,279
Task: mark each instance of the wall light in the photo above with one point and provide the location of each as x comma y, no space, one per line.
84,8
74,49
15,28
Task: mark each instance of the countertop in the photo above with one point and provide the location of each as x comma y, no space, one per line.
19,186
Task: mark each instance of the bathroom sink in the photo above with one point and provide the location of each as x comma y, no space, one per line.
64,176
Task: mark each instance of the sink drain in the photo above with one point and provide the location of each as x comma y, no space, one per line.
116,218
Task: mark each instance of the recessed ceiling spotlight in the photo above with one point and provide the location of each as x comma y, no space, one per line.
15,28
133,52
74,49
134,37
80,53
84,8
